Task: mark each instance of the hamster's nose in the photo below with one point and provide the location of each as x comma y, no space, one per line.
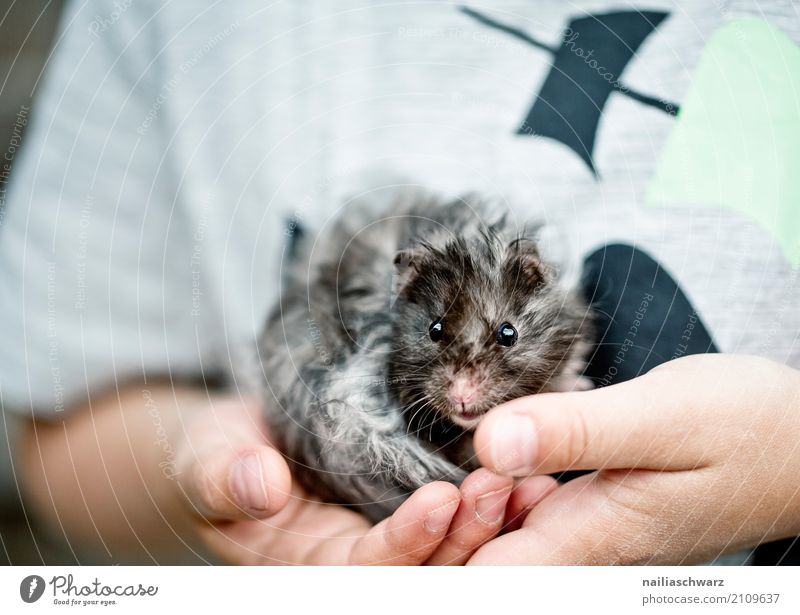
463,390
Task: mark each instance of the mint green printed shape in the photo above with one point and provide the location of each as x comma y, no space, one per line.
736,142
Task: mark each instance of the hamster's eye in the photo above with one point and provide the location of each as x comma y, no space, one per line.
506,334
436,330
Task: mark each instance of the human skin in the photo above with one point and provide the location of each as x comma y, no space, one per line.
163,472
696,458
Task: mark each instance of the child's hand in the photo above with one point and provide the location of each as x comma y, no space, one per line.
247,510
698,457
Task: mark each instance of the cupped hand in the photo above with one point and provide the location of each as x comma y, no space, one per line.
246,509
696,458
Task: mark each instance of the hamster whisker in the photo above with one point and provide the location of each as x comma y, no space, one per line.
426,401
437,417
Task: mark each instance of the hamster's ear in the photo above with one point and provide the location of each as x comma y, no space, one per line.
406,267
524,262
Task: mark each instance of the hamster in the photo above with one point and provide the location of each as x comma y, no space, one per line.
396,331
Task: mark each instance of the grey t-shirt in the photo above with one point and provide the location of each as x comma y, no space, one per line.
171,141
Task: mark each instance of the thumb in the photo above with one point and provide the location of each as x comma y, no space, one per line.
642,423
228,470
237,483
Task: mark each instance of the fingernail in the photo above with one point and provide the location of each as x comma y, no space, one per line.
490,507
248,483
439,518
513,444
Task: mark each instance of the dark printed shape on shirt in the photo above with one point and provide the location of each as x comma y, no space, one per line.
642,317
586,69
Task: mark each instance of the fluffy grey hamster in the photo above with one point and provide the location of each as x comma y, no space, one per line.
396,331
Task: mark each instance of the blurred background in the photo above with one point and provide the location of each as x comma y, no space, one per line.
27,28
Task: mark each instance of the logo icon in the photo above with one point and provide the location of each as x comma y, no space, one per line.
31,588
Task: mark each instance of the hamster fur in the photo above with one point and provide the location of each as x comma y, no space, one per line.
396,331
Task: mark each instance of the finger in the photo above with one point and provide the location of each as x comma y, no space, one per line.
636,424
479,517
239,483
413,532
567,527
609,518
527,493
